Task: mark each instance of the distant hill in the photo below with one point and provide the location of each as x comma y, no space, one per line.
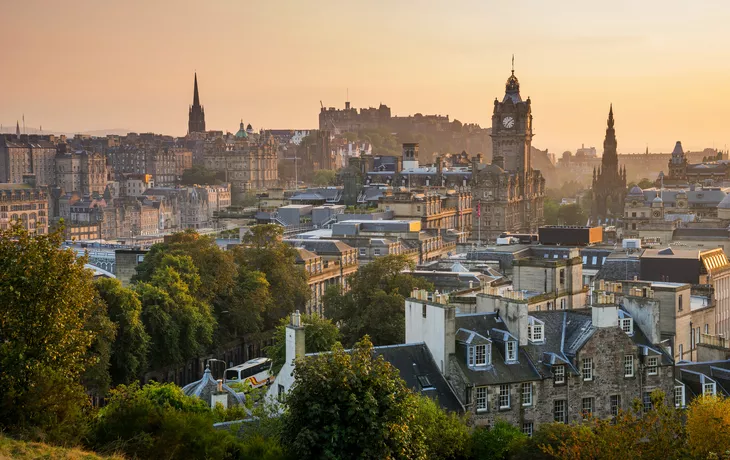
10,128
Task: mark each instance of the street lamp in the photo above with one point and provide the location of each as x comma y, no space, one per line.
218,360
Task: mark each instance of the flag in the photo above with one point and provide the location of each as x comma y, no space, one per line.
479,209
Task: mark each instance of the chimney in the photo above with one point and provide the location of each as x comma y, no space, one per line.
604,315
294,338
220,386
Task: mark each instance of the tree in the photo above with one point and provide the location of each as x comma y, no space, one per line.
645,183
180,326
200,175
447,435
47,300
159,421
320,333
250,299
550,211
375,303
571,214
324,177
708,426
96,376
498,442
129,351
351,405
264,251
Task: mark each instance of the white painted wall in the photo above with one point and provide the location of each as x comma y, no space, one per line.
430,329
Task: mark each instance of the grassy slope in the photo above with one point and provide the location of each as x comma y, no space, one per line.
12,449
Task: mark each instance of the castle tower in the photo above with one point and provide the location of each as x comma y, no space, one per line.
609,185
678,163
196,116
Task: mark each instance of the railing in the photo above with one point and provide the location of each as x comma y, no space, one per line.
713,340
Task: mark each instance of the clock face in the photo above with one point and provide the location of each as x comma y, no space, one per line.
657,213
508,122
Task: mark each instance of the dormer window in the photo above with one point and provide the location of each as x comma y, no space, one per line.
626,325
480,355
708,388
535,330
511,351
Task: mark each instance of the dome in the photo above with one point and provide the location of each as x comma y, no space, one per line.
725,203
492,169
241,132
636,191
657,199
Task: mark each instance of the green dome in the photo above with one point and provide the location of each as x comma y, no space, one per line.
242,131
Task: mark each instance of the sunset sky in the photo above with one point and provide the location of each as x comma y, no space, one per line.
76,65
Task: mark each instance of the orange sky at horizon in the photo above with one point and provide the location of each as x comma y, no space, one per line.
88,65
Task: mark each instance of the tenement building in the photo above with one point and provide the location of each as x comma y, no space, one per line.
508,194
27,159
530,368
609,183
26,205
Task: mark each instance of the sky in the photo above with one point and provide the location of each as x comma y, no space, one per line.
83,65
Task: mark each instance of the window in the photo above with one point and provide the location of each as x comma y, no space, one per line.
587,369
594,260
562,304
629,366
504,396
481,399
527,429
481,355
363,251
559,374
679,396
559,411
615,405
376,251
680,303
562,277
585,260
681,351
708,389
511,351
535,332
627,325
652,365
647,401
587,407
471,351
423,310
527,394
707,328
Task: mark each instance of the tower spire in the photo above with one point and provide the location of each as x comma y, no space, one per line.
17,128
513,63
196,97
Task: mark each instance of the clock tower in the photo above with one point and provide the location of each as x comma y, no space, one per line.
512,130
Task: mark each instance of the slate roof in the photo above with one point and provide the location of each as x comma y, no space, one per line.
421,373
691,375
321,246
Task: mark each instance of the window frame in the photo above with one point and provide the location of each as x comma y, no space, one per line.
528,428
559,377
485,360
590,404
712,386
614,402
510,354
680,395
527,396
586,369
629,322
646,402
504,391
629,361
562,404
478,399
652,365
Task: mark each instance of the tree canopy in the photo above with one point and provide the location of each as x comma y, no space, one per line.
351,405
377,290
200,175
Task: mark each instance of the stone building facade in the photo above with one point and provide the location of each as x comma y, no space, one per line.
25,204
247,163
530,368
508,194
27,159
81,171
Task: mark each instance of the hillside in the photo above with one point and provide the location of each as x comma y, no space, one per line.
13,449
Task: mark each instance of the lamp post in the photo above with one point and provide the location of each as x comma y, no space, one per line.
218,360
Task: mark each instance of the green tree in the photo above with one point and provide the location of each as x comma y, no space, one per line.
180,326
645,183
351,405
498,442
250,299
96,377
131,347
200,175
447,435
321,334
263,251
159,421
47,300
324,177
572,214
550,211
377,291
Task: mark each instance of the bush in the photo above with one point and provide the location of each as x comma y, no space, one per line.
499,442
159,421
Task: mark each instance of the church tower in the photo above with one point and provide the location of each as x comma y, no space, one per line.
678,163
609,184
196,116
512,131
